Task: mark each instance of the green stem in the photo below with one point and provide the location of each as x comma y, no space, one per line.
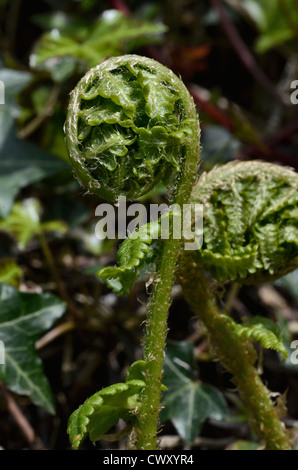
238,357
160,299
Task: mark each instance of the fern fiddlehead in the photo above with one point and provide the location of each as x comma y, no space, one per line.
251,221
128,125
250,235
131,124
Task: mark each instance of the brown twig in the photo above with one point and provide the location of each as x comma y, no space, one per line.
18,415
54,333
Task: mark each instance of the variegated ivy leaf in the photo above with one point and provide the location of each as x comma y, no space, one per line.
23,319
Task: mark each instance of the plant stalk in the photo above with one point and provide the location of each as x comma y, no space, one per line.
238,357
160,299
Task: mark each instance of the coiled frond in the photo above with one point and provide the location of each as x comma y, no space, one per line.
129,122
250,221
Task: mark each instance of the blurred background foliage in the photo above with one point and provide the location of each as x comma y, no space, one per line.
67,335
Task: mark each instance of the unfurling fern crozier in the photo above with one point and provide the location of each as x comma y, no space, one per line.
250,221
128,124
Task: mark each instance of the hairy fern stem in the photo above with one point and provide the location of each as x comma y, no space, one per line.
160,299
238,357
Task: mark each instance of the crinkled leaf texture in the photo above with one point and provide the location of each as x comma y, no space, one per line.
103,410
23,318
129,122
188,403
250,221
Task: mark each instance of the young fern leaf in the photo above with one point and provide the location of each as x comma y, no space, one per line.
133,256
250,221
260,333
103,410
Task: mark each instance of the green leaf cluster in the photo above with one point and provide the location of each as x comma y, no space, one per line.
277,25
111,34
24,222
262,330
134,254
127,127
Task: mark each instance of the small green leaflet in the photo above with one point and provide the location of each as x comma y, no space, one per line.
132,256
23,319
187,402
103,410
260,329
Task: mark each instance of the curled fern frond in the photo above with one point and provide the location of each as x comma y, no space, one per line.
259,331
128,124
250,221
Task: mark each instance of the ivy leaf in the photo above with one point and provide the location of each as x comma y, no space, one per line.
23,318
14,82
21,162
103,410
24,222
187,403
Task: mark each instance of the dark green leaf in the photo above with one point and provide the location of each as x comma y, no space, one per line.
23,318
187,403
23,163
